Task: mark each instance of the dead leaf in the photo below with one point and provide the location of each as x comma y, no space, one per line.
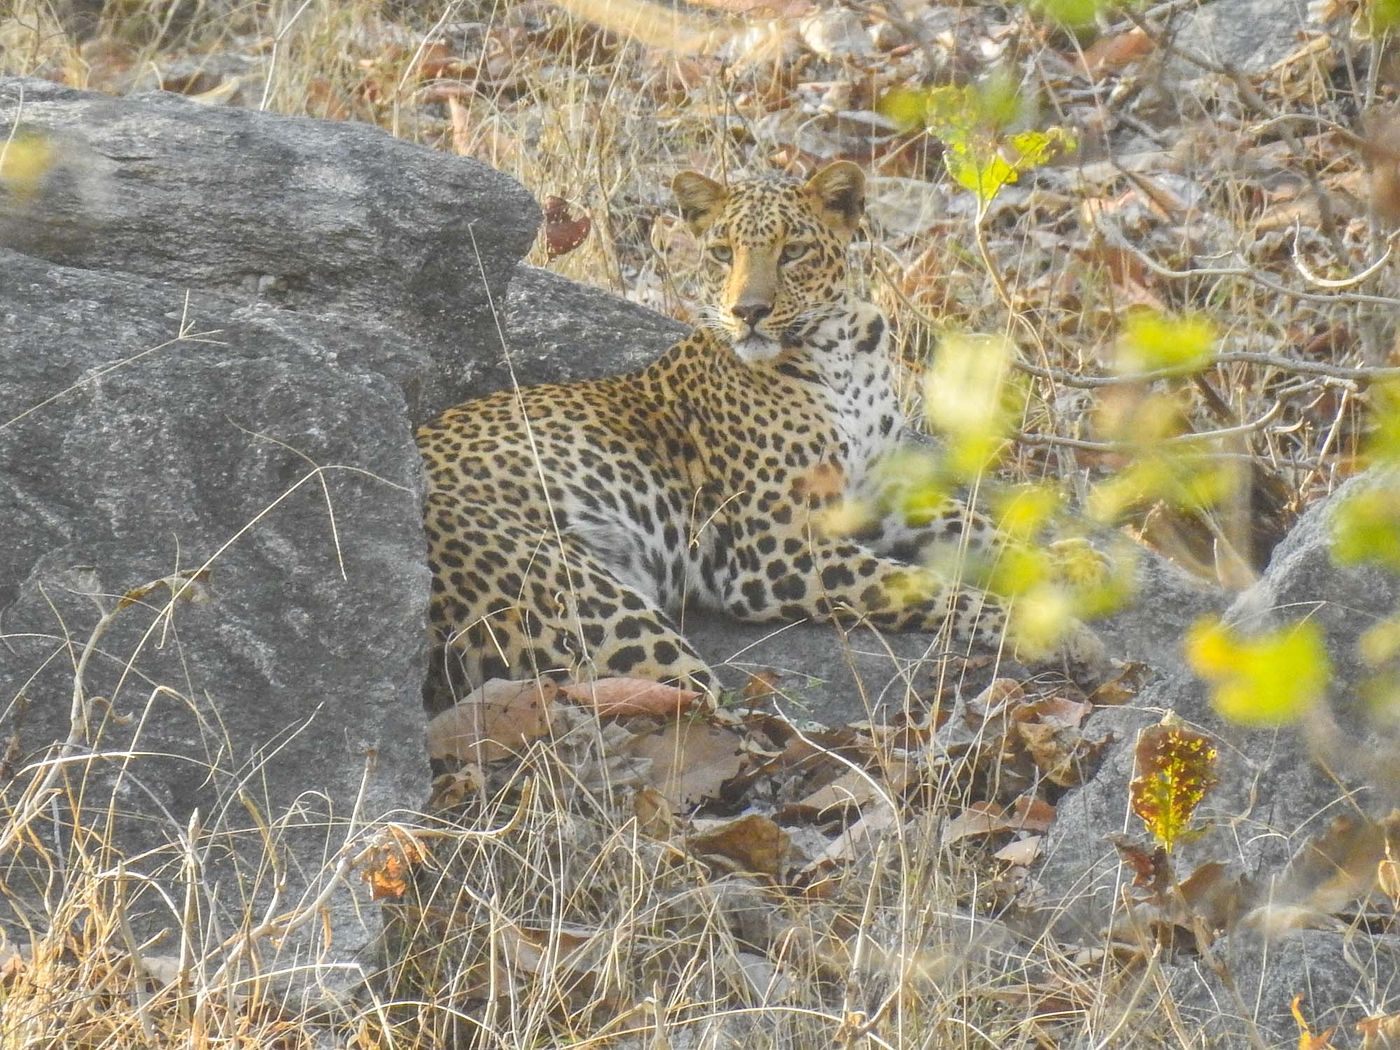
618,697
1027,813
1022,852
1110,54
451,790
1382,152
754,843
1380,1033
653,812
761,685
554,950
1125,685
1060,752
691,760
492,722
388,864
1306,1039
1341,867
1151,868
854,841
562,234
1030,813
1215,894
853,789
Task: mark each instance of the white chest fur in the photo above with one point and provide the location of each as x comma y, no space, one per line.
852,356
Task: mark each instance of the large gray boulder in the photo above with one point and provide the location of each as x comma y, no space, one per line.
557,331
276,451
1279,788
307,215
217,330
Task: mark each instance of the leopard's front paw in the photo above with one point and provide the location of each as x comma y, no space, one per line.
1079,652
1076,562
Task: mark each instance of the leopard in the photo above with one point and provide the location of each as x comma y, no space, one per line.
569,525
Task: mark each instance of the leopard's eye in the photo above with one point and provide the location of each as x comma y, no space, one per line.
793,252
721,253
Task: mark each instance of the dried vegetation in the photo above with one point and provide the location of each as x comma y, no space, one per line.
615,870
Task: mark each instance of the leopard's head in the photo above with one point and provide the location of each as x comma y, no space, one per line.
773,252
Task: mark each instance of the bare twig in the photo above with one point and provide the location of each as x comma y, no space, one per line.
1130,446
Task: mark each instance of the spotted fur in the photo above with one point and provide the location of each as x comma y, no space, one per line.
566,522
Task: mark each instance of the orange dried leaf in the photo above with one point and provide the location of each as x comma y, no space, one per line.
1029,813
1109,54
1306,1039
616,697
1175,771
1380,1031
389,863
761,684
754,843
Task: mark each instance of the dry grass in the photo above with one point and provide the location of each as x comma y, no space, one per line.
545,915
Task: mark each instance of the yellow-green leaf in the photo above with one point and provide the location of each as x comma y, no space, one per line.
1152,341
1366,528
1383,16
1383,441
1175,772
25,158
968,398
906,107
1071,13
1268,679
984,175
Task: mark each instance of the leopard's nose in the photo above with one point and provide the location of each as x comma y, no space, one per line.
751,313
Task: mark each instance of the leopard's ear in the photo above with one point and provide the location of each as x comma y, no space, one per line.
700,199
839,190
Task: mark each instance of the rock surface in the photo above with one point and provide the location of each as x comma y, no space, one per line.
1248,36
303,214
1279,788
1343,978
125,456
218,329
560,332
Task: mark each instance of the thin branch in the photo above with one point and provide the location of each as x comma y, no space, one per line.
1132,446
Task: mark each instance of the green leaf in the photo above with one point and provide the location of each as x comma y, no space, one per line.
1073,13
969,398
1366,528
984,174
1269,679
906,107
1383,442
1382,16
1151,341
